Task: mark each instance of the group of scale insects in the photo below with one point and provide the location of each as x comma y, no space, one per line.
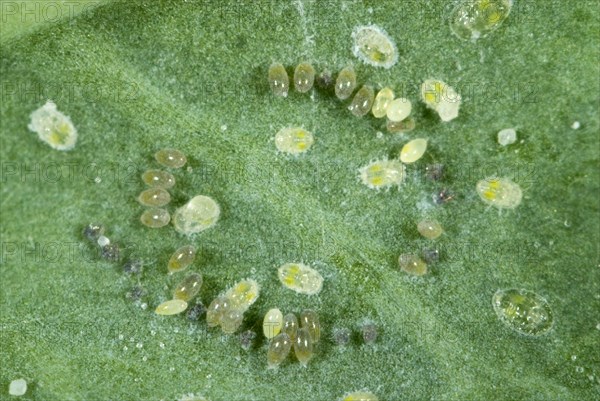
522,310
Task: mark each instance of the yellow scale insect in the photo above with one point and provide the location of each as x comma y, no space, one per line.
502,193
374,47
362,101
382,101
442,98
294,140
272,323
345,83
181,259
158,178
278,80
413,150
53,127
382,174
523,311
155,197
300,278
360,396
304,77
199,214
474,19
412,264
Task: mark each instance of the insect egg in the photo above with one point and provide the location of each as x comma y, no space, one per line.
431,255
373,46
507,136
279,348
155,197
231,321
382,174
324,80
406,125
155,218
304,77
502,193
290,325
294,140
111,252
300,278
523,311
442,98
303,347
199,214
170,158
272,323
435,171
429,229
188,288
382,101
413,151
398,109
279,80
172,307
341,337
196,311
216,309
412,264
93,231
360,396
310,320
345,83
369,333
474,19
53,127
133,266
181,259
246,339
362,101
158,178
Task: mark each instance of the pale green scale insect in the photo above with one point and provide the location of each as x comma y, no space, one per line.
362,101
155,197
373,46
345,83
272,323
412,264
301,278
406,125
279,80
442,98
294,140
304,77
170,158
171,307
303,346
430,229
413,150
158,178
243,294
155,218
53,127
382,174
181,259
502,193
199,214
279,348
310,320
523,311
290,326
398,109
382,101
188,288
360,396
474,19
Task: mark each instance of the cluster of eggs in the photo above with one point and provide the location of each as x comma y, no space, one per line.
227,310
284,332
159,181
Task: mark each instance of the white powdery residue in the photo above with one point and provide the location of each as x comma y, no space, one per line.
309,40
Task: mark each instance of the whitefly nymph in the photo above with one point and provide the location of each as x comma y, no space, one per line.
53,127
373,46
382,174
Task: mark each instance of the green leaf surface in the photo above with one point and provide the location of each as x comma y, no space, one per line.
138,76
